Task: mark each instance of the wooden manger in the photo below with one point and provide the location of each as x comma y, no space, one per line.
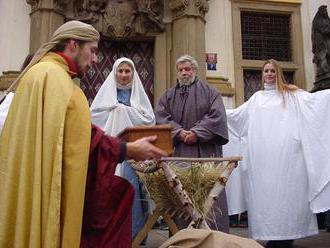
183,188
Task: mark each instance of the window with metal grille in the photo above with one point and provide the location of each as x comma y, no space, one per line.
265,35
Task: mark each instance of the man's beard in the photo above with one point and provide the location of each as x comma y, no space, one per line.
80,73
186,80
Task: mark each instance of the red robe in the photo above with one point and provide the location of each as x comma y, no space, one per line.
107,219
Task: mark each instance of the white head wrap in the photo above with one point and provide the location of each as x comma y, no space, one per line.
105,107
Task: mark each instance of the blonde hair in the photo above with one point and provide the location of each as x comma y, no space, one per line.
281,84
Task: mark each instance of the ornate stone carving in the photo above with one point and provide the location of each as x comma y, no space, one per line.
149,13
54,4
96,6
86,10
61,4
178,7
188,7
321,48
119,18
32,2
202,7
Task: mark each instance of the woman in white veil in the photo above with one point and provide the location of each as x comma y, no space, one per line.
122,102
284,178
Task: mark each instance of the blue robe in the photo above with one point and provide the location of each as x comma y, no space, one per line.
140,204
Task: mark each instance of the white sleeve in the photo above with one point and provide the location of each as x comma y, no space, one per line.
314,116
237,120
4,108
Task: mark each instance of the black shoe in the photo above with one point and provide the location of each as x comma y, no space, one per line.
156,225
233,220
328,228
321,220
271,244
161,225
243,225
280,244
144,242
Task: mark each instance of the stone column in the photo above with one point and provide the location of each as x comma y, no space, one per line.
188,32
46,17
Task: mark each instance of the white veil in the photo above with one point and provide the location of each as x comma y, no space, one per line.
112,116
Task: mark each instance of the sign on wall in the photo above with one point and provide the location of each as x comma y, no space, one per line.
211,61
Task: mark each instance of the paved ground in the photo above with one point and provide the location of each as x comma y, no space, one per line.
157,237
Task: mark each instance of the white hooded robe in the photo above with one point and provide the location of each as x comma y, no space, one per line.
285,174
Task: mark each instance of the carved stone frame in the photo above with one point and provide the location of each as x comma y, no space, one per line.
183,33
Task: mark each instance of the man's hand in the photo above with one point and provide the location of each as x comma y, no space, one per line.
142,149
183,134
191,138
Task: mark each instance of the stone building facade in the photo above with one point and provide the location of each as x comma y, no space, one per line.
237,35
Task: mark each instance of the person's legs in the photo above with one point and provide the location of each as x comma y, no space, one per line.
320,220
243,220
233,220
327,220
139,214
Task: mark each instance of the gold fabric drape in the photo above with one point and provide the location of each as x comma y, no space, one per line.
42,167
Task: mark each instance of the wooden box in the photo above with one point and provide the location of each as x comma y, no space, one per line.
163,132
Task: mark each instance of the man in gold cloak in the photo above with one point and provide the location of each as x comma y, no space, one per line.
45,143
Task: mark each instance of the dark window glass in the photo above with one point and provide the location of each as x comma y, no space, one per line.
252,81
265,36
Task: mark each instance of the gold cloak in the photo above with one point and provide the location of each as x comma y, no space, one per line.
44,150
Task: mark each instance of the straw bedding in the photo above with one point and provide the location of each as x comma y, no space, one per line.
197,179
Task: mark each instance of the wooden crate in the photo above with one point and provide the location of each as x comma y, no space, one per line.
163,132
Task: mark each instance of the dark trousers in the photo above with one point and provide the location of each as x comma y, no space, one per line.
279,243
327,220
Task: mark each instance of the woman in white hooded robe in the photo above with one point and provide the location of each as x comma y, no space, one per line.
284,178
122,102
